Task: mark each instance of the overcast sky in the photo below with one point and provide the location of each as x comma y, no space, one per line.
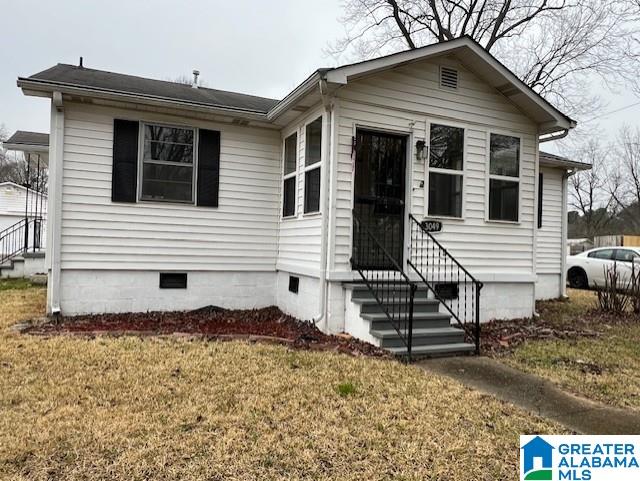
251,46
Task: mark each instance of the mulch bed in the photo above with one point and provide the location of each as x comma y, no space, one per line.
499,337
267,325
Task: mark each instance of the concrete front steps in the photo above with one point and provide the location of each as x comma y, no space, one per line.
27,265
433,334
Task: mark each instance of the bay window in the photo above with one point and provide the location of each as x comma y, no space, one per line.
504,178
446,166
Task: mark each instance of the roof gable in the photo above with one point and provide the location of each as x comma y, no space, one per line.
478,61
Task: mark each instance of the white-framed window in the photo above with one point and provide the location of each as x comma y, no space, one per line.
289,183
504,178
313,155
167,163
445,171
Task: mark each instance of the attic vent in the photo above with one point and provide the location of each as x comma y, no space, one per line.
240,122
448,78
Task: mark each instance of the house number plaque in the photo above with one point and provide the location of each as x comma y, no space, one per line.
432,225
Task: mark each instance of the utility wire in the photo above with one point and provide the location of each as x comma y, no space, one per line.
612,112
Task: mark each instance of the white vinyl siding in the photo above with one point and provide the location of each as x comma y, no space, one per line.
549,236
299,236
239,235
406,100
13,201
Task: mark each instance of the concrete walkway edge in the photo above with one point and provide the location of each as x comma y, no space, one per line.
535,395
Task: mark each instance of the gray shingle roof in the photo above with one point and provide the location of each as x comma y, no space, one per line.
72,75
24,137
547,158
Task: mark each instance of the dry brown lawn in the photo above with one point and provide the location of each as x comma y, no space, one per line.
168,409
605,368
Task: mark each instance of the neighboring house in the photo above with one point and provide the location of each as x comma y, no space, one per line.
15,204
166,196
23,210
576,246
616,241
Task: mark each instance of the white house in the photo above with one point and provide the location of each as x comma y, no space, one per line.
165,196
23,209
15,205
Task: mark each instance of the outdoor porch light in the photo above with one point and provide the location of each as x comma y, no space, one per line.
421,150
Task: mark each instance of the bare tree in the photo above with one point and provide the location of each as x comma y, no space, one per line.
186,80
589,193
625,180
555,46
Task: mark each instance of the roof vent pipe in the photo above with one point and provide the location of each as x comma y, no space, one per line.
195,79
80,63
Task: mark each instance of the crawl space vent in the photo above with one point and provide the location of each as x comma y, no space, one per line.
294,284
173,280
448,78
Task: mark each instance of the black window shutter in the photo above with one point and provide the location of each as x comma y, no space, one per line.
208,168
540,202
124,176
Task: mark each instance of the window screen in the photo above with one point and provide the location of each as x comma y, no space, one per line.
445,195
446,163
167,164
290,153
289,194
313,142
503,200
504,178
312,190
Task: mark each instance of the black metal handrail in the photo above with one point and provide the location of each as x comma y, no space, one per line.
449,281
386,281
21,237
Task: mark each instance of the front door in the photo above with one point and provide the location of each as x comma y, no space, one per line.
379,198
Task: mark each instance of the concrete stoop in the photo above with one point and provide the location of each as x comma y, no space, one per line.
433,334
27,265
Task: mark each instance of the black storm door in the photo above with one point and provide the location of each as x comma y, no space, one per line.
379,197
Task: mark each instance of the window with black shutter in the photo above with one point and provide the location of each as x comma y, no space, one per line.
169,160
208,168
124,174
540,193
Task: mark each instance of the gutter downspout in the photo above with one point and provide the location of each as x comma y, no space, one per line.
55,199
564,234
534,246
326,190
